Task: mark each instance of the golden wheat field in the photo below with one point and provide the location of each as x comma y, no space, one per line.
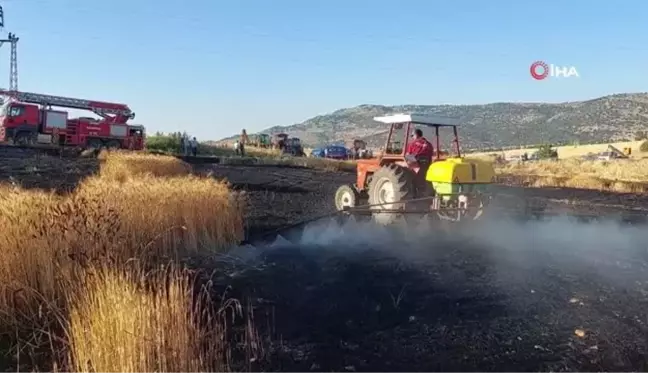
87,283
623,175
569,151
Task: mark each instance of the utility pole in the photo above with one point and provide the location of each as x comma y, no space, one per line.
13,67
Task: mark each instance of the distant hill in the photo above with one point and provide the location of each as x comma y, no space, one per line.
496,125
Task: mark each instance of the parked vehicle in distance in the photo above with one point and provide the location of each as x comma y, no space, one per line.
293,147
613,153
331,152
610,155
260,140
317,153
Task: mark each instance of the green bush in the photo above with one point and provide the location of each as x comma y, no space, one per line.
170,143
546,152
163,143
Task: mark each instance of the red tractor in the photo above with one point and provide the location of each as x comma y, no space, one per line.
28,119
394,185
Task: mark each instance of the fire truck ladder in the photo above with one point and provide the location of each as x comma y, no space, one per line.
121,112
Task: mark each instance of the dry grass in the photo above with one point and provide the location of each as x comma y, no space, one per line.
174,215
254,151
125,214
629,175
569,151
120,324
124,165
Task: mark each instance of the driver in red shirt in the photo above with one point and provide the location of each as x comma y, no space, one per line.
420,148
423,151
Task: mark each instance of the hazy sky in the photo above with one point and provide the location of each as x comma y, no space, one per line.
212,67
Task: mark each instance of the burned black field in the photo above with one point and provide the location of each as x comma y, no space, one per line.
557,294
510,293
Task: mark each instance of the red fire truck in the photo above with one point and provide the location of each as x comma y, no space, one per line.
27,119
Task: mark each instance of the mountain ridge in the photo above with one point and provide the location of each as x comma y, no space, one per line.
499,124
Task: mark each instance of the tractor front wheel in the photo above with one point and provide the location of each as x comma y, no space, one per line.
346,196
390,185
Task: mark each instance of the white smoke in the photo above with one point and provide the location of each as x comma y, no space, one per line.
607,247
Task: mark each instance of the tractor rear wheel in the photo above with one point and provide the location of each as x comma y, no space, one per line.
389,185
346,196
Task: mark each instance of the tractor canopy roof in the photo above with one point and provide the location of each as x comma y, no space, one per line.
419,119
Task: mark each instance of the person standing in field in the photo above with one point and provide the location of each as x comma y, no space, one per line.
244,140
194,146
186,149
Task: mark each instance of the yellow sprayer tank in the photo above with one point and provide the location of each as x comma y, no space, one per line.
460,175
